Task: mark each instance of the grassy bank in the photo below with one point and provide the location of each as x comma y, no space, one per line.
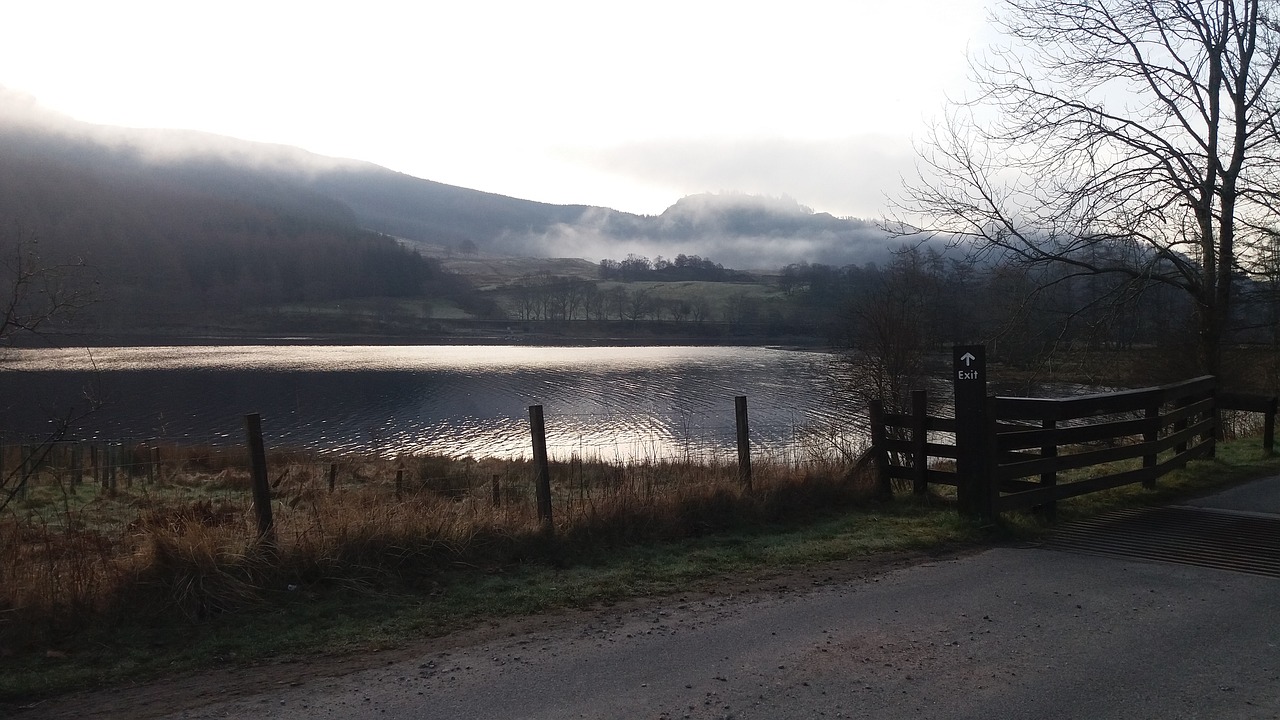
165,577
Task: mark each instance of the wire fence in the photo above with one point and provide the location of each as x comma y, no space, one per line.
215,524
593,455
619,437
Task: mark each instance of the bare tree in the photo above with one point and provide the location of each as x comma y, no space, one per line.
35,290
640,303
1133,138
887,337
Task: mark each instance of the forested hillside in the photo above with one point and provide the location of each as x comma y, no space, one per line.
152,245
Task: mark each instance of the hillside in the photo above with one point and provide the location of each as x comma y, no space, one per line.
146,247
171,231
739,230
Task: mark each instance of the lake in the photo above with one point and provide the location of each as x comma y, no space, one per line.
615,403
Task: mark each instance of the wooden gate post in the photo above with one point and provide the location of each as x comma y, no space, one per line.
975,489
744,441
1150,435
880,450
1269,427
538,430
1049,478
261,487
919,442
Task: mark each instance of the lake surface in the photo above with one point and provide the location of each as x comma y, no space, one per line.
609,402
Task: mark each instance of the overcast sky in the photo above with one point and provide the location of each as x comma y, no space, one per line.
624,105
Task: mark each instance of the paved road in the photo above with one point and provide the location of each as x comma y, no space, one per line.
1008,633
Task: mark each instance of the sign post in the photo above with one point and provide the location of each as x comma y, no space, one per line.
969,381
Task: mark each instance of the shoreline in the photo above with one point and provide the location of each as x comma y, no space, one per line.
541,339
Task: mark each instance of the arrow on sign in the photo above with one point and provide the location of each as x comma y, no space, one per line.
968,359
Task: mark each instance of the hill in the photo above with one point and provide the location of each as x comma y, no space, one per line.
148,245
187,232
738,230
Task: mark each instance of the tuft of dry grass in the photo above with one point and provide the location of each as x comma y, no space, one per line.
73,555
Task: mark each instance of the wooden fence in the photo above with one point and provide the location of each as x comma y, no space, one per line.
1028,443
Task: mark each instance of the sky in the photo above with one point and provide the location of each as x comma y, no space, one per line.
623,105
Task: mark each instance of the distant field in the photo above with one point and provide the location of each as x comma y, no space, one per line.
488,273
393,310
505,281
498,277
715,292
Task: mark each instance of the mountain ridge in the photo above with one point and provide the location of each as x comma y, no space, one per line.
737,229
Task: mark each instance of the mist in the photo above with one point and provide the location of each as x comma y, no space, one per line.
24,113
737,230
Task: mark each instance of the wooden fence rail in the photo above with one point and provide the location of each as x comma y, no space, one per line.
1166,427
902,446
1029,443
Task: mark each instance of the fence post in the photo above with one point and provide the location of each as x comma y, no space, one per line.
23,474
28,470
975,443
1150,434
399,484
989,500
1180,424
1215,434
113,465
1049,449
920,441
1269,427
75,460
261,488
538,429
497,492
880,449
95,463
744,441
333,476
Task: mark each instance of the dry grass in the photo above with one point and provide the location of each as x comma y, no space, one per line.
183,544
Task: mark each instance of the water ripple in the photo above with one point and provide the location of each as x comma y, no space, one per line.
614,403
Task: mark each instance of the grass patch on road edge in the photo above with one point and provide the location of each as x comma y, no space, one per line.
1236,461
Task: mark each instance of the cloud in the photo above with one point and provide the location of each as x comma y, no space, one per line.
22,110
848,176
25,112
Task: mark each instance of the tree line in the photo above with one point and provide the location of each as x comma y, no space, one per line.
553,297
682,267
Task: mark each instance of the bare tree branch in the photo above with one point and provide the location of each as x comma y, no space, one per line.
1132,138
